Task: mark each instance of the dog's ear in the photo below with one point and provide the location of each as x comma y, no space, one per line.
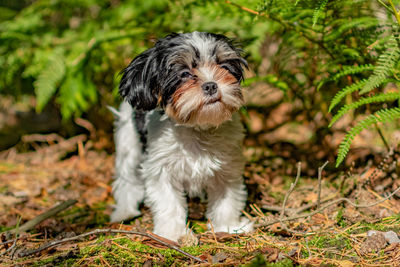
139,83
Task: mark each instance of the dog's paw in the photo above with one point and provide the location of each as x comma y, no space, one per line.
244,225
173,233
121,214
188,240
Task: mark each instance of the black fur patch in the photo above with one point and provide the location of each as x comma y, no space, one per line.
139,119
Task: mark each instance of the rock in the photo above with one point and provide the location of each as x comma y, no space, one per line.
390,236
373,243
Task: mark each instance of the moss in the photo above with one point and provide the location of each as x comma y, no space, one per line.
259,260
387,224
340,219
64,259
124,251
328,241
87,215
132,252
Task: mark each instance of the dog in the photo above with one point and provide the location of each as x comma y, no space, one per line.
178,133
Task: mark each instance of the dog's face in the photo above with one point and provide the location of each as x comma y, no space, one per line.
195,77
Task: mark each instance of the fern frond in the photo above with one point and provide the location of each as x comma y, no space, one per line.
350,70
318,11
345,91
76,94
386,62
383,97
341,26
347,70
48,79
384,115
372,82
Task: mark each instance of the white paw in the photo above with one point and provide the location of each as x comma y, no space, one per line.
188,240
121,214
243,226
174,234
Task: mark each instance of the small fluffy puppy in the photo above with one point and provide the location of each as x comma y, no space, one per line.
178,133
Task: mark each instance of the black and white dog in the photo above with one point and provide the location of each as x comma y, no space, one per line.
178,133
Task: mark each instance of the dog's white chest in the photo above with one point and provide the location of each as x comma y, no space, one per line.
191,157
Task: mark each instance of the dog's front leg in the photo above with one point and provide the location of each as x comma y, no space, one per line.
226,199
168,206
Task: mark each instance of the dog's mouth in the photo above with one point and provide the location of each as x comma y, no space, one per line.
213,100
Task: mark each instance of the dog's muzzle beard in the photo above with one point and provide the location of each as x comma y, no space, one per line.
208,98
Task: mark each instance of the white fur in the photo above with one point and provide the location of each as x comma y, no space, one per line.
128,187
180,160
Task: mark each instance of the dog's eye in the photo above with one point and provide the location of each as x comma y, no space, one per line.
185,74
225,67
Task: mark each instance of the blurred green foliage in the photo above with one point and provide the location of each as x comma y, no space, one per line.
71,51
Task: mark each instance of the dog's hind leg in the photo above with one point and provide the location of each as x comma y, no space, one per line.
128,187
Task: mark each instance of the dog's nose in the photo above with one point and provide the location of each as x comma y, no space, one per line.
209,88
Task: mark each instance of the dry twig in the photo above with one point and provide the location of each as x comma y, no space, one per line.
87,125
10,248
320,169
292,186
48,138
299,209
38,219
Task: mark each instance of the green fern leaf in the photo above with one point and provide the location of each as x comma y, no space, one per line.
318,11
384,115
347,70
384,97
48,80
351,70
344,25
385,64
76,94
345,91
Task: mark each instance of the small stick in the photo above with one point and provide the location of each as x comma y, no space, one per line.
10,248
108,231
299,209
242,7
38,219
311,205
320,169
87,125
49,138
292,186
17,237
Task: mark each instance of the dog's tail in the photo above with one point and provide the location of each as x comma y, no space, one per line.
114,111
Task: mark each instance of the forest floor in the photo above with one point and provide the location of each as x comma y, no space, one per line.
318,216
